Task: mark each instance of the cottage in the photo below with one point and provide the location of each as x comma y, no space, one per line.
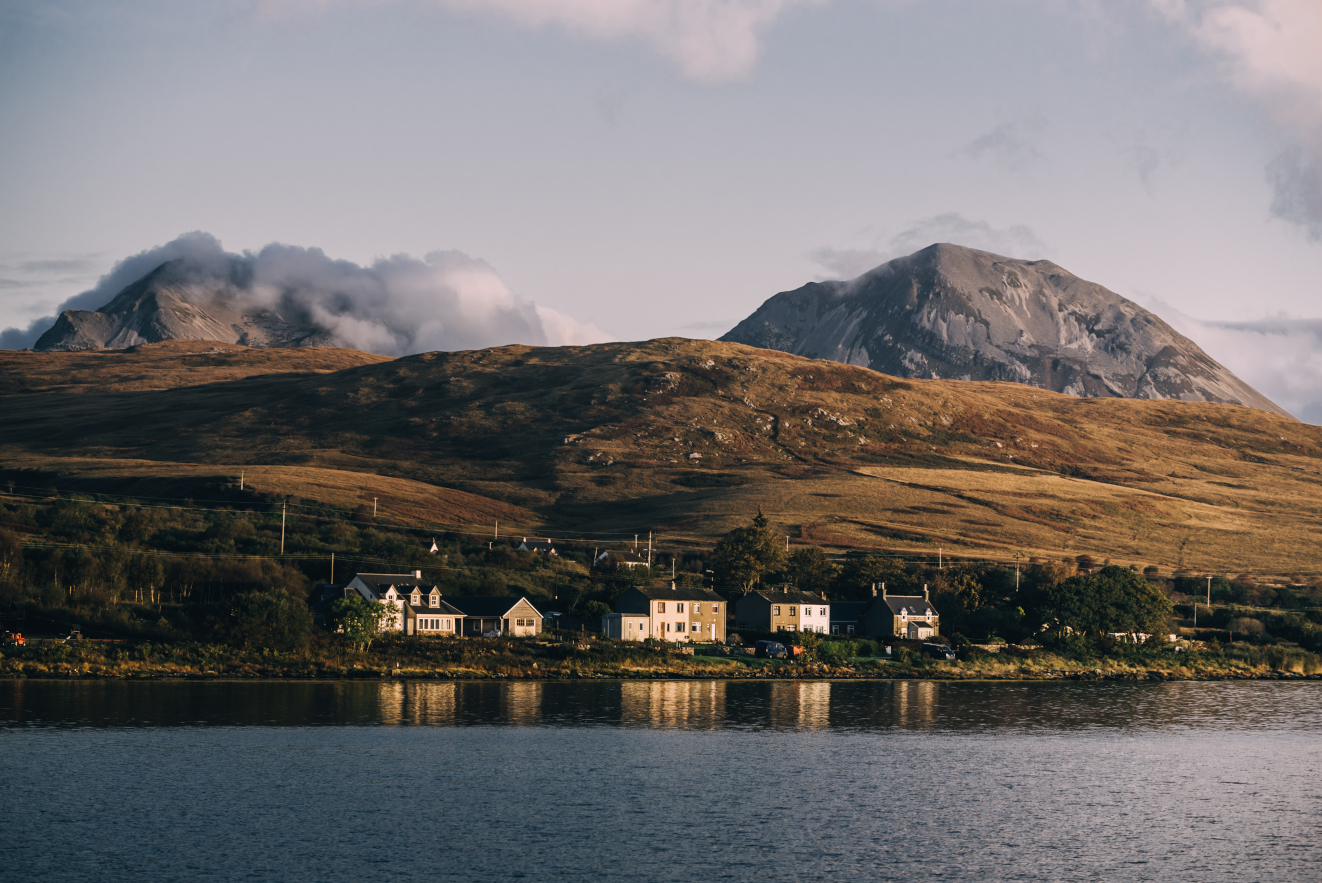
784,610
668,614
536,547
901,616
393,589
616,560
507,615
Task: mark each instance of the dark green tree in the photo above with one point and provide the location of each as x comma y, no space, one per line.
1115,599
360,620
273,620
861,573
809,570
744,555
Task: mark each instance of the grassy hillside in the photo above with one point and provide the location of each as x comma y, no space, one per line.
683,437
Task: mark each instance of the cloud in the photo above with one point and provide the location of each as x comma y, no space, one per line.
396,306
1009,145
1271,50
1016,241
1280,357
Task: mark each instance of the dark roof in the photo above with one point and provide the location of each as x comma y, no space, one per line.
848,611
790,597
481,605
917,605
679,593
443,610
324,595
392,579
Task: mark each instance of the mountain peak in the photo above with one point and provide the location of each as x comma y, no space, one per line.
948,311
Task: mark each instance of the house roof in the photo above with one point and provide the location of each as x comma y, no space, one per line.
443,610
481,605
790,597
679,593
382,581
627,557
916,605
848,611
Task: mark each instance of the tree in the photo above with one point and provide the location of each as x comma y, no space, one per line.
809,570
860,574
1115,599
745,554
272,619
360,620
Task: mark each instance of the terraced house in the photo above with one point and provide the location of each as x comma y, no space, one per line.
786,610
667,614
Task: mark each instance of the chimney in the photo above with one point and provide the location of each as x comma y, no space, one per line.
925,591
418,574
874,590
672,585
883,590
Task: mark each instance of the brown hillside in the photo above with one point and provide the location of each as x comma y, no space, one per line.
688,438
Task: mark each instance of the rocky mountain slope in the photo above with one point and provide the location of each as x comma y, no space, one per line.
682,437
958,313
169,303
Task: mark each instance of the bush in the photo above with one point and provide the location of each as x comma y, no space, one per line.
273,620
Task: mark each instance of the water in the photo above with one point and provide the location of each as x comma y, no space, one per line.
220,781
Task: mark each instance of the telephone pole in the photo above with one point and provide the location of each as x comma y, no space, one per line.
282,528
374,508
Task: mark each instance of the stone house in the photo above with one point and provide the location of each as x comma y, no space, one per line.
769,610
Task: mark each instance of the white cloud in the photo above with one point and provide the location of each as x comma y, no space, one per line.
1017,241
1011,145
1271,50
396,306
1280,358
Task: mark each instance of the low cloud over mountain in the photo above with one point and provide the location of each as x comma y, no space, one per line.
284,295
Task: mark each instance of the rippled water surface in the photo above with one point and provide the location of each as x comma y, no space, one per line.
693,780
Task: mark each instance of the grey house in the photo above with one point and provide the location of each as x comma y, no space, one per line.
508,615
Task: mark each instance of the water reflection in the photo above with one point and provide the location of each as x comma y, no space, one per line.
923,706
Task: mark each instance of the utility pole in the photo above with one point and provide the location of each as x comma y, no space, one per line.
497,537
1017,557
240,479
940,564
649,550
282,528
374,508
1209,593
332,568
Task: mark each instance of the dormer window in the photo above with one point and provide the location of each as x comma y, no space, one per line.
436,600
416,599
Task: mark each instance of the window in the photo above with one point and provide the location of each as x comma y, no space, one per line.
716,608
436,600
835,629
660,606
696,628
821,612
667,627
679,608
792,613
790,627
416,599
850,629
775,610
679,626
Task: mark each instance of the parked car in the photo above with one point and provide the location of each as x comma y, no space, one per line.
938,651
770,650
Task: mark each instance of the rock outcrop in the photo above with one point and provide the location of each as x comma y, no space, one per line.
957,313
170,303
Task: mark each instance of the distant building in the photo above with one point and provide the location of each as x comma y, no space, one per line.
507,615
769,610
847,618
667,614
536,547
616,560
901,616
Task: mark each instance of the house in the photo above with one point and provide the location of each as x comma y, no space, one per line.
390,587
506,615
847,618
769,610
616,560
668,614
626,626
901,616
546,548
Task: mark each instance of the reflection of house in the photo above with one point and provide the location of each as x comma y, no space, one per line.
507,615
847,617
772,611
901,616
671,614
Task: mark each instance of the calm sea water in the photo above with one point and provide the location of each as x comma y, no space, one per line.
681,781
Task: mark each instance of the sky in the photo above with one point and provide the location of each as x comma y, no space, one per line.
630,169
